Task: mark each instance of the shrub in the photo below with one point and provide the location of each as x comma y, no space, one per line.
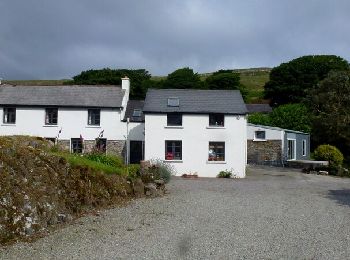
329,153
134,170
158,170
225,174
110,160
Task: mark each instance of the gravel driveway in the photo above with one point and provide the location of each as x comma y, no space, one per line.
273,213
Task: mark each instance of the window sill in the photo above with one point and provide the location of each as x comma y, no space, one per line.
215,127
4,124
173,161
216,162
259,140
50,125
93,126
174,126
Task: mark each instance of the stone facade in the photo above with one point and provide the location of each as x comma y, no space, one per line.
264,152
114,147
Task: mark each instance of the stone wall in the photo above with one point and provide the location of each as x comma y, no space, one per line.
114,147
264,152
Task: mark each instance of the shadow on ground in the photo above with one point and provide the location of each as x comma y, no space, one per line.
341,196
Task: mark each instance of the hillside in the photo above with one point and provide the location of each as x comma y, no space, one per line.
252,78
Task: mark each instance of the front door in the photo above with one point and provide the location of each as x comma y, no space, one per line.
136,151
291,149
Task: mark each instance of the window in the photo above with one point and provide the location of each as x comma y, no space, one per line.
304,147
173,102
94,116
77,145
173,150
216,119
137,113
174,119
291,149
101,144
216,151
9,115
51,115
260,135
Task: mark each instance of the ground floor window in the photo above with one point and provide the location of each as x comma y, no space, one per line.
9,116
101,145
304,147
77,145
173,150
260,135
216,151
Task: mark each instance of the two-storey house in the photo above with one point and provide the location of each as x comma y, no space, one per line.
197,131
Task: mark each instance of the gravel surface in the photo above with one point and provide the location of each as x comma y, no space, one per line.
273,213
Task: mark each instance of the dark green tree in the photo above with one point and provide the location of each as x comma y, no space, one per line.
226,79
113,77
183,78
329,102
259,119
290,82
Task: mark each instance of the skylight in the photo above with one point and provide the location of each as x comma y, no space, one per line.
173,102
137,113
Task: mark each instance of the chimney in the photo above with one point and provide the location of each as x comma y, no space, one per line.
126,87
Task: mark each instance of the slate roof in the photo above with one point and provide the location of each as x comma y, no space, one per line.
195,101
62,96
277,128
134,104
259,108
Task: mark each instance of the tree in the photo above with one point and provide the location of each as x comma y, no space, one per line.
329,102
113,77
226,79
259,119
289,82
183,78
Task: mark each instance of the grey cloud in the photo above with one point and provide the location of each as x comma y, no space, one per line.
58,39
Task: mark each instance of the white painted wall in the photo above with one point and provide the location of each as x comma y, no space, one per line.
195,136
136,131
270,134
72,121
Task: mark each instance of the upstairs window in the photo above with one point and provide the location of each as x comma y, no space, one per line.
51,115
9,115
216,151
173,150
173,102
260,135
216,120
94,116
77,145
137,113
174,119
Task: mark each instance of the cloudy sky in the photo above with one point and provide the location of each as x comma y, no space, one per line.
46,39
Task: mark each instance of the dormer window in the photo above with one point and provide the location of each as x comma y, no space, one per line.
173,102
137,113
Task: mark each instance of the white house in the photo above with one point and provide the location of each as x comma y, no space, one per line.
78,117
275,146
196,131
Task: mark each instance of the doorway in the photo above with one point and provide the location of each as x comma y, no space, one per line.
291,149
136,151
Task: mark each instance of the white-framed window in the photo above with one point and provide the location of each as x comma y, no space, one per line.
174,119
94,116
51,116
304,147
217,120
216,151
173,150
9,116
76,145
260,135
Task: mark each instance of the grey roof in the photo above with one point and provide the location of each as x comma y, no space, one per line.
277,128
63,96
134,104
259,108
195,101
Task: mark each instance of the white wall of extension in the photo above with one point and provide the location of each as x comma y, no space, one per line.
195,135
72,121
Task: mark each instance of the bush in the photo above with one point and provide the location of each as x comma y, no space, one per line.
158,170
110,160
329,153
225,174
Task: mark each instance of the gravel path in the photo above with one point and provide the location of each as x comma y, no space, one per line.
272,214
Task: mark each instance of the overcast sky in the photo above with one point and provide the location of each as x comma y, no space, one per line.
46,39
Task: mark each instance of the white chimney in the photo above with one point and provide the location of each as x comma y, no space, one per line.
126,87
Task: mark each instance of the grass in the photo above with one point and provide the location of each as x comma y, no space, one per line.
36,82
